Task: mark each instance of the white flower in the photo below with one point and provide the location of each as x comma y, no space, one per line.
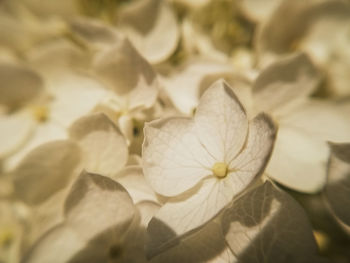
305,124
204,162
47,112
253,228
325,39
99,218
133,87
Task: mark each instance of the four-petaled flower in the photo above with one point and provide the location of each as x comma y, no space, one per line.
204,162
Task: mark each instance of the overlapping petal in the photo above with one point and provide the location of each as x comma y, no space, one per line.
173,158
221,123
104,147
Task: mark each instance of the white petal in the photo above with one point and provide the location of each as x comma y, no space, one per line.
251,162
258,10
43,132
132,179
221,123
19,85
152,27
184,87
15,130
67,88
325,120
267,225
58,245
93,33
65,54
128,74
284,82
97,203
189,211
147,210
337,190
207,244
173,158
104,147
298,160
46,170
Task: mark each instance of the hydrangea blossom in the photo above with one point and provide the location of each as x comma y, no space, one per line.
204,162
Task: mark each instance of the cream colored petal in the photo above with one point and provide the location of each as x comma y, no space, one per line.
267,225
62,51
152,27
132,179
123,69
289,79
207,244
298,160
173,158
183,87
99,213
280,32
104,147
19,85
46,170
65,8
93,33
191,210
15,130
221,122
58,245
327,43
147,210
258,10
252,160
74,95
337,190
43,133
96,204
326,120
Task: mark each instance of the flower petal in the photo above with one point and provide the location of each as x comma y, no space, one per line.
66,88
337,190
152,27
221,122
251,162
205,245
289,79
183,87
60,244
104,147
126,73
190,211
258,10
15,130
46,170
132,179
326,120
19,85
173,158
97,203
267,225
43,133
298,160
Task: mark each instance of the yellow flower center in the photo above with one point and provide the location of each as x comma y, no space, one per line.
6,236
41,113
220,170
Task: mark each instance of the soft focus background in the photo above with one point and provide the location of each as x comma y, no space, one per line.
80,78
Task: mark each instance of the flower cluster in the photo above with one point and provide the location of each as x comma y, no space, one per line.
174,131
